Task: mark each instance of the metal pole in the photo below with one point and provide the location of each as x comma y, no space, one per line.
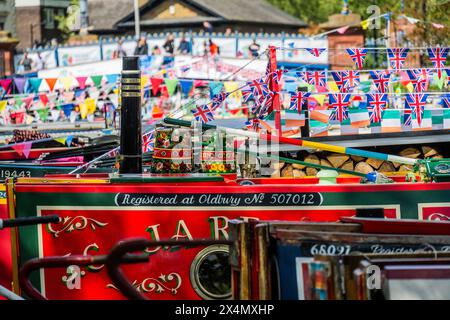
84,21
130,118
137,19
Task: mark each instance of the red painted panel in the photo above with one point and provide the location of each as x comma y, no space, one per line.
5,250
96,231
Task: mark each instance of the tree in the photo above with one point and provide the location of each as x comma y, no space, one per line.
426,11
67,23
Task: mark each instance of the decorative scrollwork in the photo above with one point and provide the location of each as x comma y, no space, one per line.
157,285
70,224
438,217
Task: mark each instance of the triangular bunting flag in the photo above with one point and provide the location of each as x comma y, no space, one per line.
81,82
3,105
112,78
35,83
43,114
23,149
67,109
20,84
97,80
171,85
144,81
186,86
69,140
156,83
44,99
66,82
6,85
358,56
215,87
61,140
51,83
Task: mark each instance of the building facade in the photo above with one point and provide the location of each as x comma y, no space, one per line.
8,17
35,21
252,16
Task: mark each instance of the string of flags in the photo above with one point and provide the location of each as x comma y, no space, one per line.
346,105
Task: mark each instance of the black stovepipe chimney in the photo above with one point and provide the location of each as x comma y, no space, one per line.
130,118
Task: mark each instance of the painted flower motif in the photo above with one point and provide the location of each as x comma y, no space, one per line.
159,166
166,144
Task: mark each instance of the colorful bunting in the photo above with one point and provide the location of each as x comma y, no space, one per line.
186,86
359,118
377,103
350,79
381,79
317,78
81,82
253,124
337,77
171,85
438,56
35,84
156,85
203,114
297,100
6,85
414,103
20,84
3,105
316,52
339,103
51,82
397,57
358,56
23,149
97,80
390,121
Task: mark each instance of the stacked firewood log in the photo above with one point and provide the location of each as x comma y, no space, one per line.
351,163
28,135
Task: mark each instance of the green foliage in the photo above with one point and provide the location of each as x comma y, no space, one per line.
429,11
65,22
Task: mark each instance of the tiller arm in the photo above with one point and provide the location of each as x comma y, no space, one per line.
133,245
64,262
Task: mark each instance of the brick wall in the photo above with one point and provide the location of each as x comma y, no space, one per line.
25,17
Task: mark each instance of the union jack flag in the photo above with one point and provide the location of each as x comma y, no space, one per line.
339,102
247,94
114,152
317,78
397,57
446,100
277,75
253,124
258,87
297,99
358,56
337,77
265,105
218,100
148,142
350,79
376,104
415,103
316,52
381,79
203,114
303,76
419,78
438,56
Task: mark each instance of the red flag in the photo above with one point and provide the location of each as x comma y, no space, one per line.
44,99
156,83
